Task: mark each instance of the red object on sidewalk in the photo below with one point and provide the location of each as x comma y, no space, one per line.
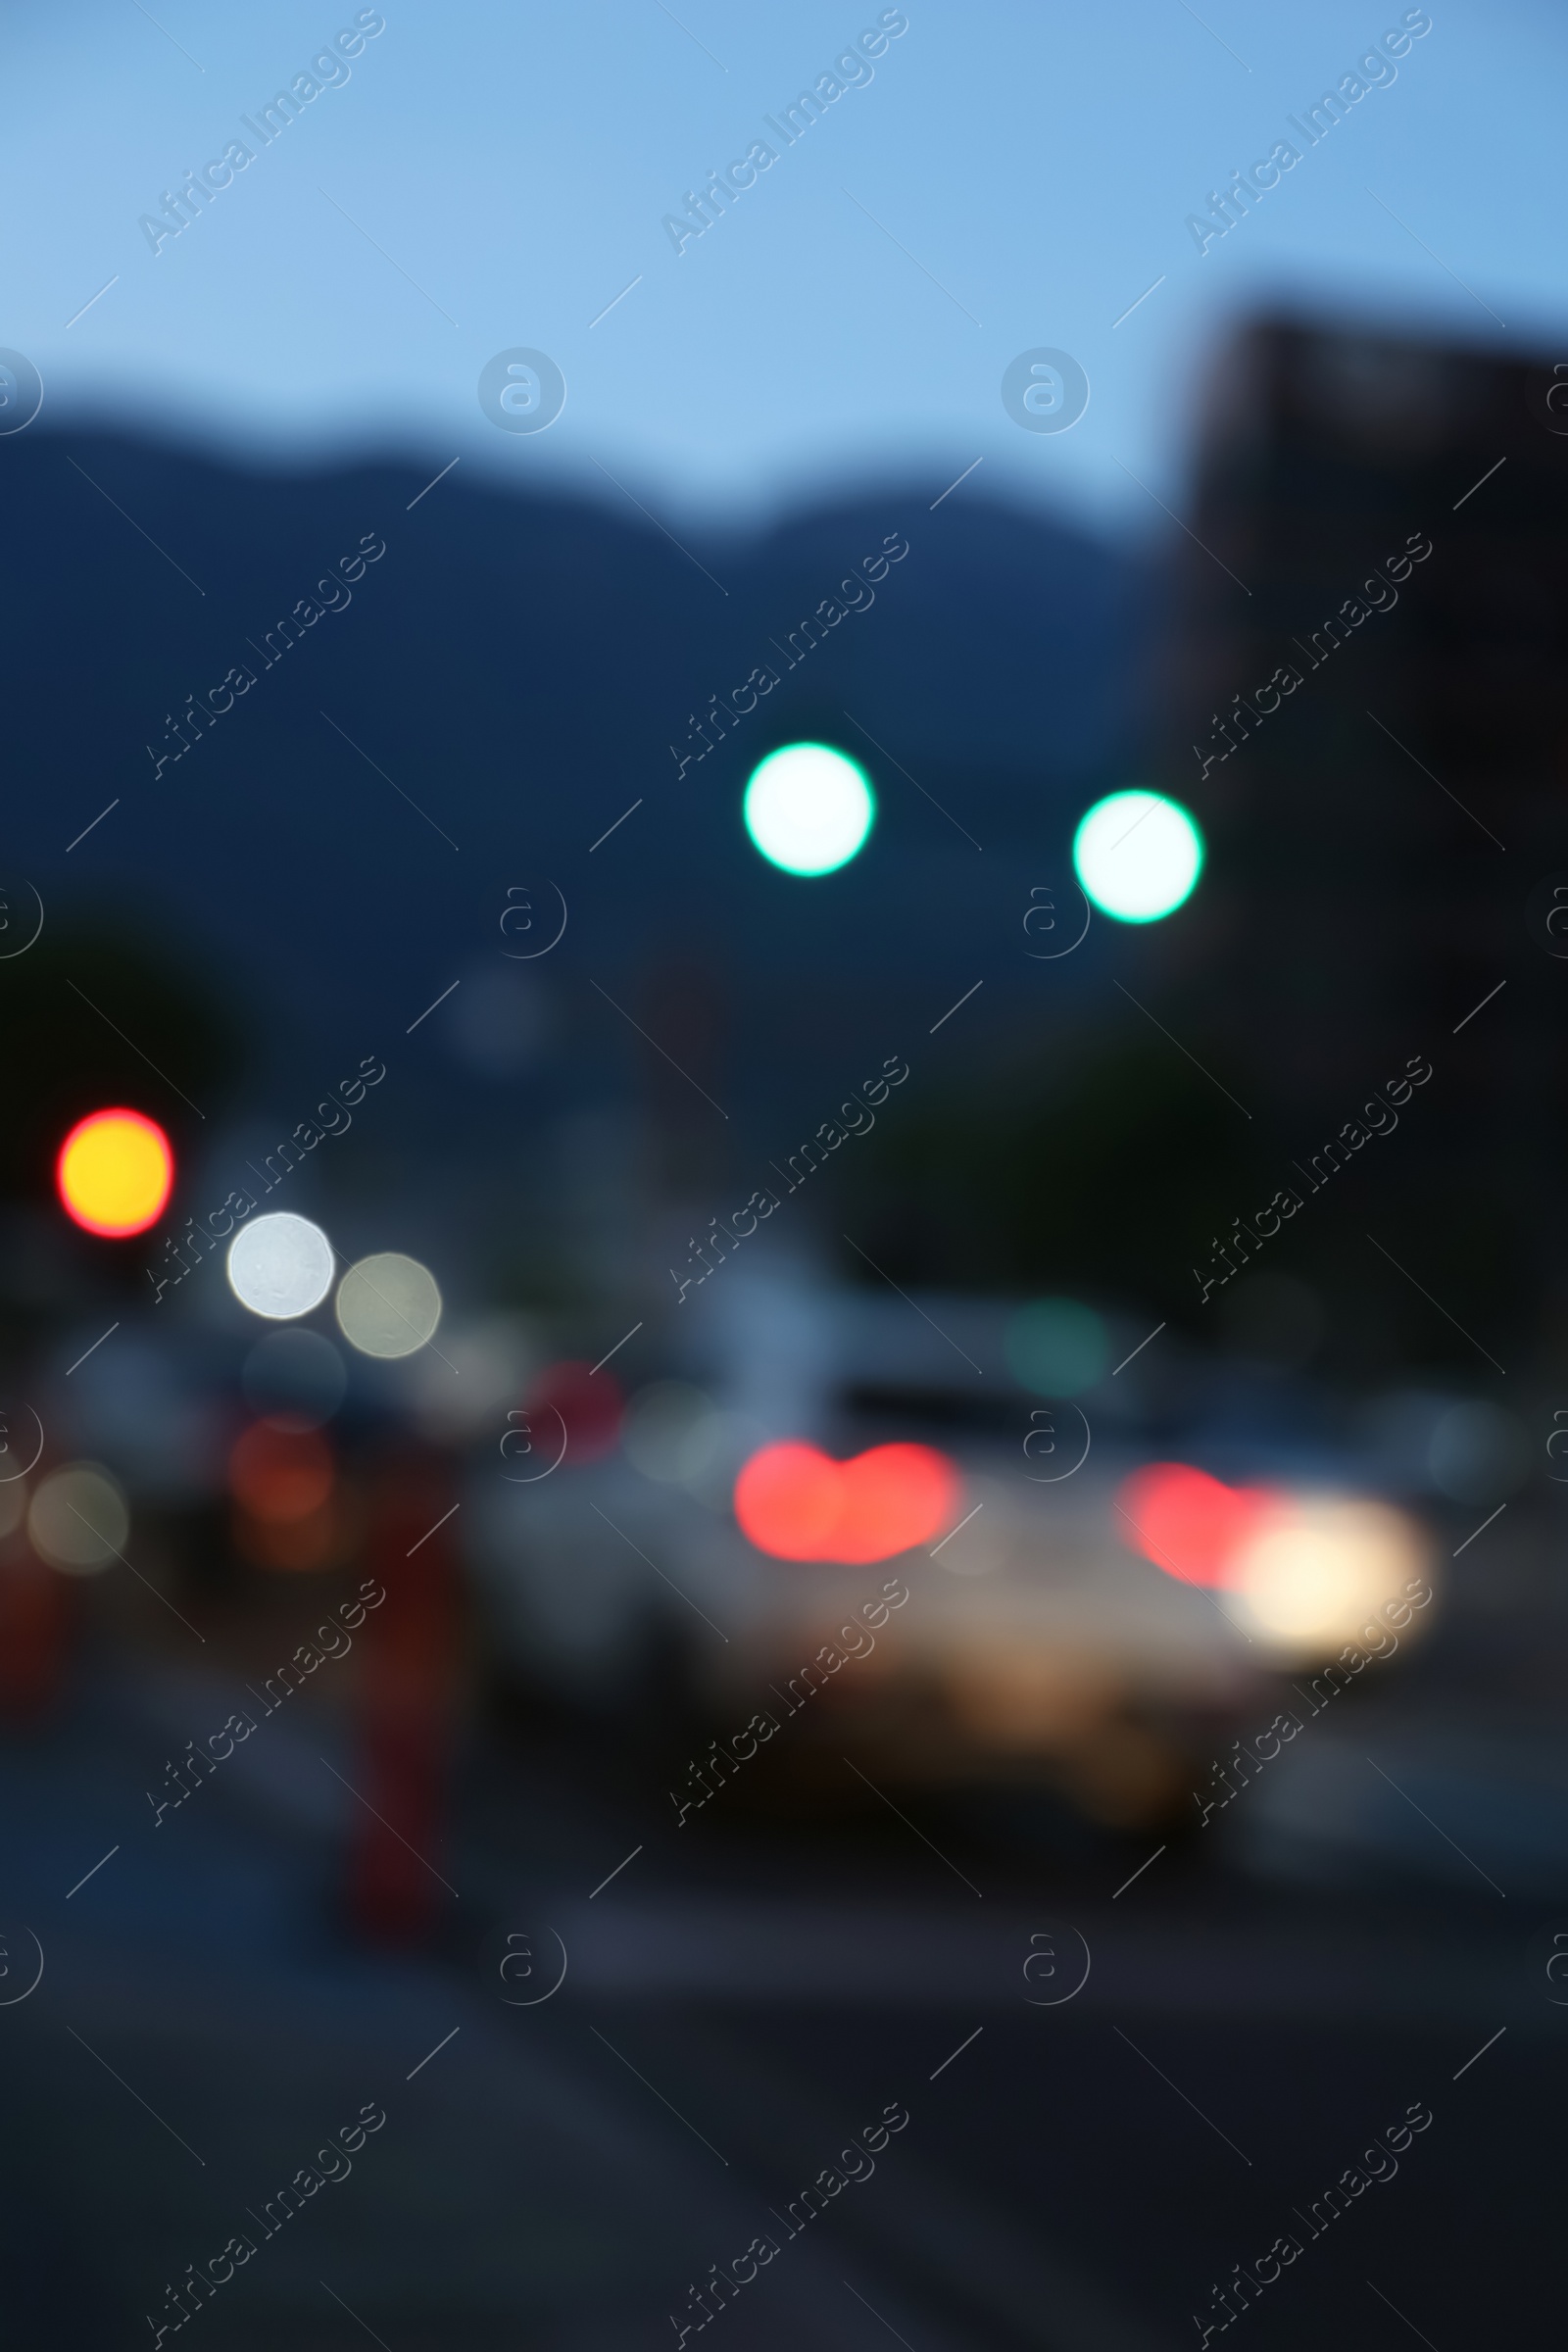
408,1673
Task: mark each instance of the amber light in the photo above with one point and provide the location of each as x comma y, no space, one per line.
114,1173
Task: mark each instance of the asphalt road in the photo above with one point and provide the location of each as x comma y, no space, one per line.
1188,2062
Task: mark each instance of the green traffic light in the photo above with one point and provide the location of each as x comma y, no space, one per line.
809,809
1137,856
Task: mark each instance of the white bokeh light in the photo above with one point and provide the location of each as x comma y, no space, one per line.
77,1520
674,1433
809,809
1137,855
280,1267
389,1306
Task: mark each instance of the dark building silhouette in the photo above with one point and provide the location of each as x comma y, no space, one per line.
1364,700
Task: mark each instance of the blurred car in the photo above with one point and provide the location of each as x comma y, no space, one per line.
833,1514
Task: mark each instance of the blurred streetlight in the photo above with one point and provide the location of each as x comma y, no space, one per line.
388,1304
280,1267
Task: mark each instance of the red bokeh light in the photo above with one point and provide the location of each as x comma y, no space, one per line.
1192,1524
279,1475
787,1499
589,1402
797,1503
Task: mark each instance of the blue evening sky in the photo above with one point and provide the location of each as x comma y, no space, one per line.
1013,175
